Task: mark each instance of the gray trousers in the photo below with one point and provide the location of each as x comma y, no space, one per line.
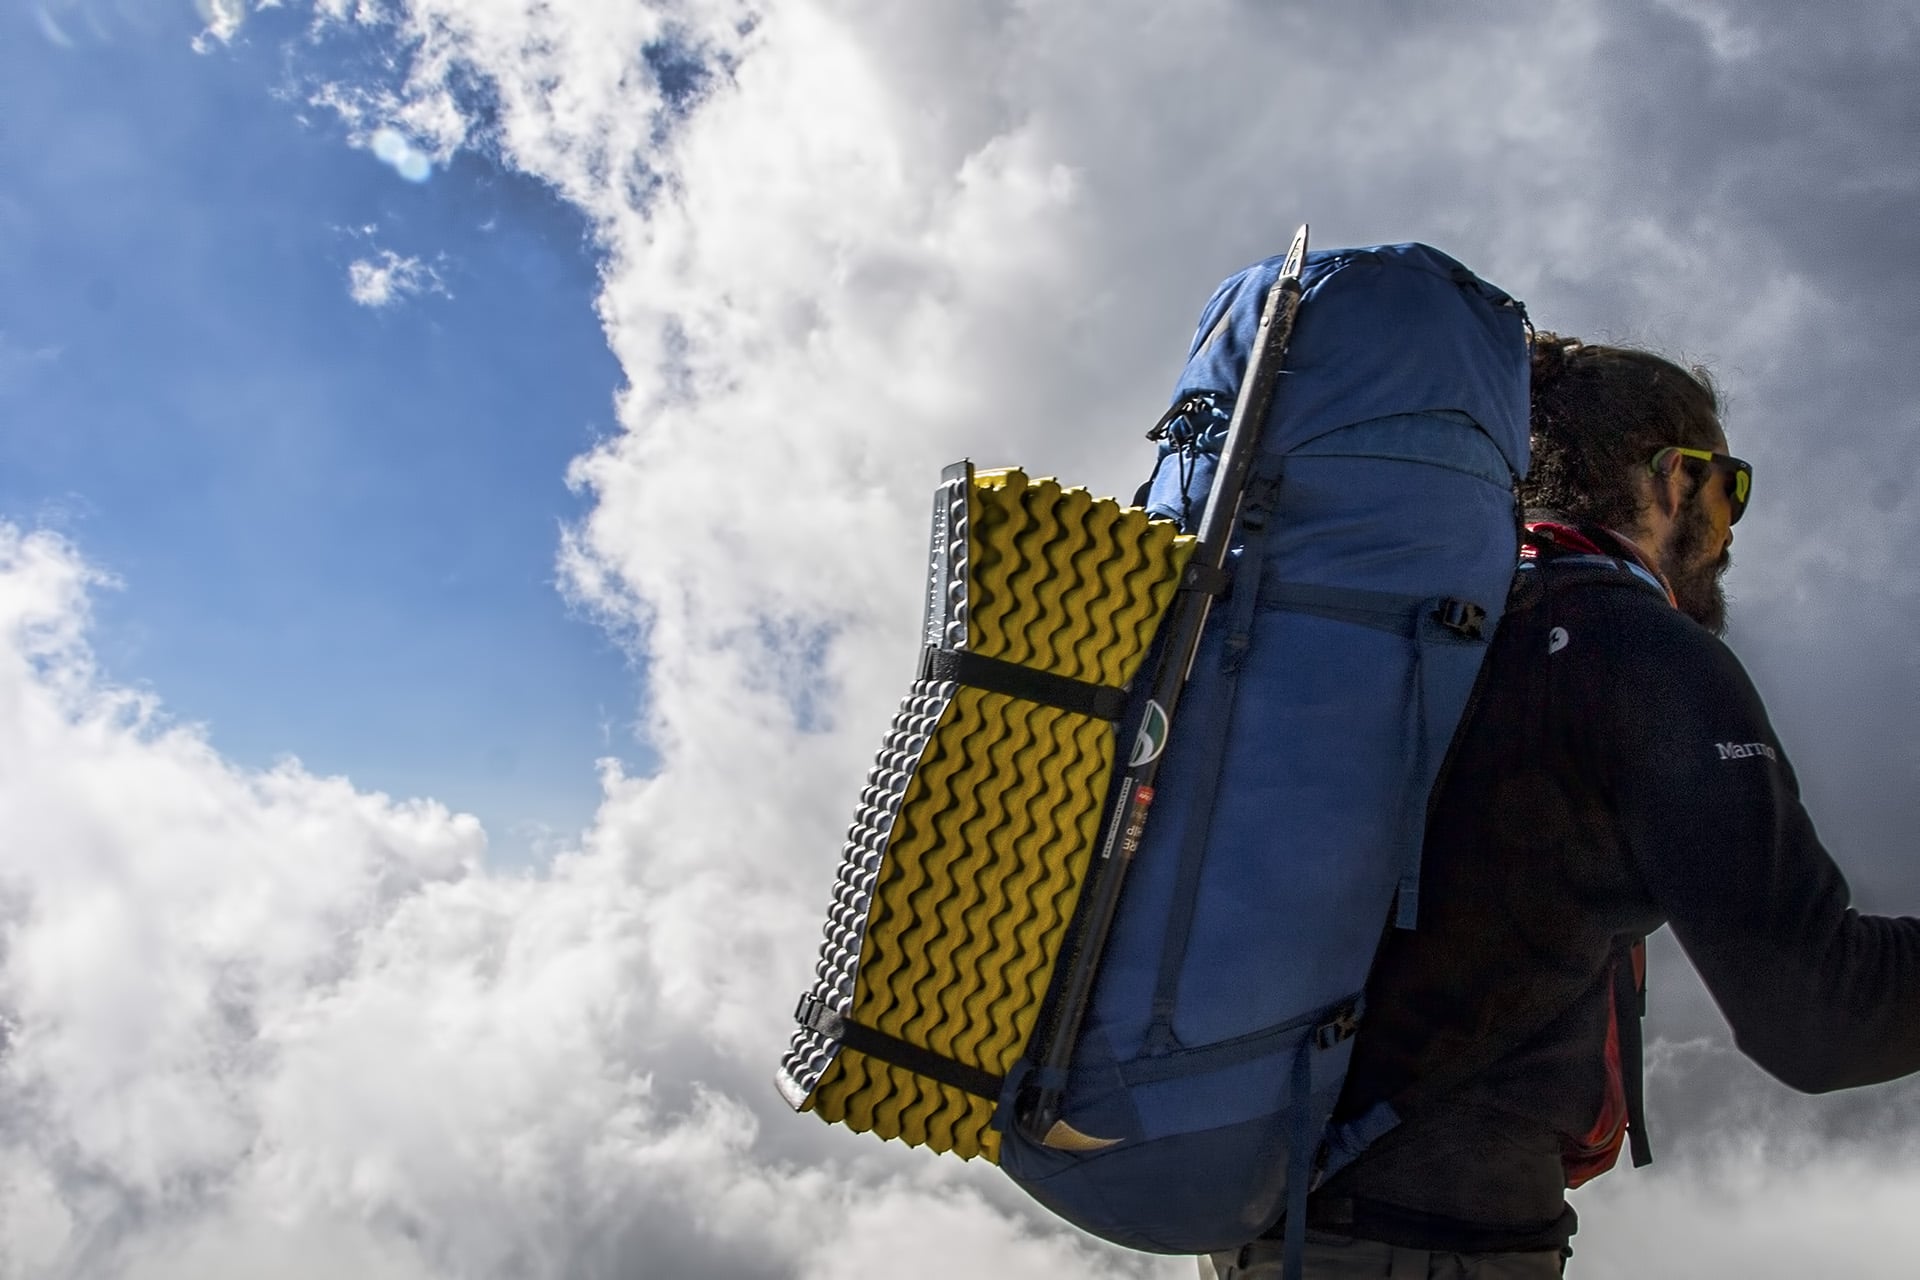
1332,1257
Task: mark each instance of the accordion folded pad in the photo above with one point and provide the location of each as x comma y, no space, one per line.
975,831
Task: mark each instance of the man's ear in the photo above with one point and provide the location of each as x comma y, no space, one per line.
1670,490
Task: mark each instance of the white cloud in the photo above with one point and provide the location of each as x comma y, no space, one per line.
262,1023
894,237
1754,1205
224,18
388,278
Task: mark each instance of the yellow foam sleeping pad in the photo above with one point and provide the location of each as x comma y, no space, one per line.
966,857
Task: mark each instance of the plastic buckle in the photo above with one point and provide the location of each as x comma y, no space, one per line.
1462,617
1176,423
818,1016
1342,1026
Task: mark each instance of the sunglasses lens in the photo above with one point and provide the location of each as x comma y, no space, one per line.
1739,474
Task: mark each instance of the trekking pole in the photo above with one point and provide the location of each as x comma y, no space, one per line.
1127,820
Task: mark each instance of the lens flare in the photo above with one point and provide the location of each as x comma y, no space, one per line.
389,145
396,150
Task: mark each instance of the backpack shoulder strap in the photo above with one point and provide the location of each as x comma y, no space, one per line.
1548,567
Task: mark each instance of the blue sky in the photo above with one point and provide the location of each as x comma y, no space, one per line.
334,523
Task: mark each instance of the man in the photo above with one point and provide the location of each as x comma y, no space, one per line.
1617,773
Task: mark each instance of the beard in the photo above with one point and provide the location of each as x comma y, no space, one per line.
1695,580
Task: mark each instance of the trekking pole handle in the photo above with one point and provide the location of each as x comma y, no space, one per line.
1126,822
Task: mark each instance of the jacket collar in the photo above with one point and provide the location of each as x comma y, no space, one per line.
1553,528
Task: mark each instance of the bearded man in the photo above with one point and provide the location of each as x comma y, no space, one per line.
1616,773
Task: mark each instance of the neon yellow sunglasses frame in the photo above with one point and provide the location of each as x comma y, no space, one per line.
1742,473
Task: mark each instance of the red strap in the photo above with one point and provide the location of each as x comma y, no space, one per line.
1572,539
1561,535
1594,1152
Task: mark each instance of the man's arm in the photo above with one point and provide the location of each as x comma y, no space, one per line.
1819,995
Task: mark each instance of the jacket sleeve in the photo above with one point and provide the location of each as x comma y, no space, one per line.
1817,994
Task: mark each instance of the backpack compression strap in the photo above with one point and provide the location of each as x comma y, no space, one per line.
815,1015
1030,684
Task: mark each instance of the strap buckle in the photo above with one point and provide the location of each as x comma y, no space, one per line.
1344,1023
1205,579
1462,617
818,1016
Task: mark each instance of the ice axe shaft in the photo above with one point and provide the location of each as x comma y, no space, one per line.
1127,820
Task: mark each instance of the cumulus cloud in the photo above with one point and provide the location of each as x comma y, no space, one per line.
1755,1206
157,905
388,278
884,239
261,1022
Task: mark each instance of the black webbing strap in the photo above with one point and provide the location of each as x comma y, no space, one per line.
1101,701
1205,579
1301,1146
833,1024
1256,510
1629,1006
1383,610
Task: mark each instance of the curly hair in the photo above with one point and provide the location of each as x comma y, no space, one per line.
1599,413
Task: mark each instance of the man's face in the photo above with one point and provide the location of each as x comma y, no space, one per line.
1700,548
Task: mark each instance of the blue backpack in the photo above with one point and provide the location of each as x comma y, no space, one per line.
1377,539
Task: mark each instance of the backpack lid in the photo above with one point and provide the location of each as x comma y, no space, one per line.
1360,313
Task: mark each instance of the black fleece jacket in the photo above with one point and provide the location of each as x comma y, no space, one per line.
1617,773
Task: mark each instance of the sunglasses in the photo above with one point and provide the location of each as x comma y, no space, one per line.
1740,472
